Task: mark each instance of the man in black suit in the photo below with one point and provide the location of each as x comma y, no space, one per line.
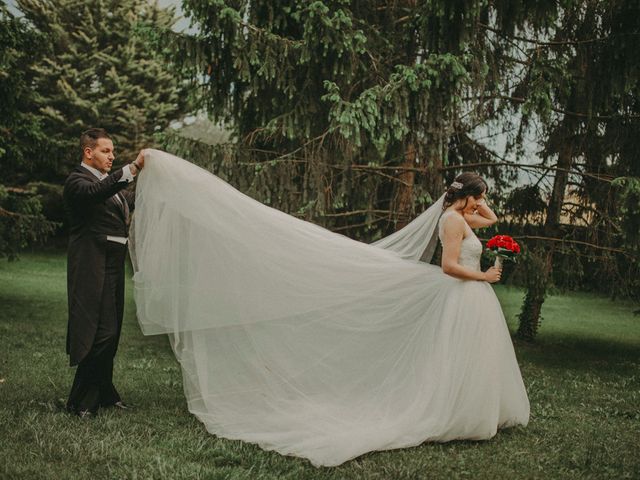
98,209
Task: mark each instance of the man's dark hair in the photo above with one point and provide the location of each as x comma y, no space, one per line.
89,138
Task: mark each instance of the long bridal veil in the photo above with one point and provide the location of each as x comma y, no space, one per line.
296,338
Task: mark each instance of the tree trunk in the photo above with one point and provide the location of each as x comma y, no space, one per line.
435,176
539,262
404,195
538,268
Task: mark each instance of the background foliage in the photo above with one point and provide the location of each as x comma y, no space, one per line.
67,66
22,137
354,114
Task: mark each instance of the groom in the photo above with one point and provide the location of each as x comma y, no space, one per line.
98,209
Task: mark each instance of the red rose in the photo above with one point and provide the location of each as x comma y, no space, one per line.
503,242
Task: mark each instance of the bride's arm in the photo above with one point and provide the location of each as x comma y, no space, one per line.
482,217
453,233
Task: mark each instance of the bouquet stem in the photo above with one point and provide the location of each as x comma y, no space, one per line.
498,262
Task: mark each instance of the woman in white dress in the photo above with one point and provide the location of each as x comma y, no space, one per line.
315,345
465,208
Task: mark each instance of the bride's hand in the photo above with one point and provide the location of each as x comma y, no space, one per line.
493,275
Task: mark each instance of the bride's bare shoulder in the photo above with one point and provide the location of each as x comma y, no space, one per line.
452,222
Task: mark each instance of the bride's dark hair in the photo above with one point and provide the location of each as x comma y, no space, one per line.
465,184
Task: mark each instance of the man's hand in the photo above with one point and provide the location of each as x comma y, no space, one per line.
140,158
137,164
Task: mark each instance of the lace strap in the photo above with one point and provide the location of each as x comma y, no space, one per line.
468,229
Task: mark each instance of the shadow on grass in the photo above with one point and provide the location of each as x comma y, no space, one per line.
580,353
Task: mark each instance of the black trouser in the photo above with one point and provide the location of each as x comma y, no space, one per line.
93,384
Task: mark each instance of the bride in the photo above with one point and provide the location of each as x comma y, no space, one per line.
315,345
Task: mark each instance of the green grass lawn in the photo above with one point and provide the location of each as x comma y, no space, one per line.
583,379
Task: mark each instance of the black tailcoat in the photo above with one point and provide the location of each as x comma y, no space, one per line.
93,214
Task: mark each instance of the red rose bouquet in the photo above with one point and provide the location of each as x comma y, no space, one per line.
504,247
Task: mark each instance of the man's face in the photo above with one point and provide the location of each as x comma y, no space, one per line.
101,157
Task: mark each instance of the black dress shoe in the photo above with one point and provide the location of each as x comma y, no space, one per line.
121,405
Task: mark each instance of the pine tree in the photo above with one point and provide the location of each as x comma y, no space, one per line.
352,114
21,136
589,85
347,110
101,71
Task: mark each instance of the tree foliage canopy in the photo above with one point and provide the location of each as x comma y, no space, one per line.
101,71
354,114
21,136
66,66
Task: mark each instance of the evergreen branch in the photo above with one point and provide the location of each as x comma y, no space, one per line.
525,166
588,208
552,43
282,157
357,225
9,214
291,158
390,177
353,166
19,191
359,212
578,242
373,169
555,109
504,162
270,35
381,167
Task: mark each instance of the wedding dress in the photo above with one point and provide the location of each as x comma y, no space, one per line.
307,342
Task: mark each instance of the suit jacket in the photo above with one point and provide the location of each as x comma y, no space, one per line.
93,214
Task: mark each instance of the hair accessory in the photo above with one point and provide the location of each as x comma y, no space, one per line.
457,185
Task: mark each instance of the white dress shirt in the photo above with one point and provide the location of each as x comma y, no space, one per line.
127,176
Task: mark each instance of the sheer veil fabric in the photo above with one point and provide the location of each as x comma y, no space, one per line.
307,342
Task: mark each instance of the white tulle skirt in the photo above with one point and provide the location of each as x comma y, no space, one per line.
307,342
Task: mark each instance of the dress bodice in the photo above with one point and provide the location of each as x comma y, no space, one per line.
471,247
